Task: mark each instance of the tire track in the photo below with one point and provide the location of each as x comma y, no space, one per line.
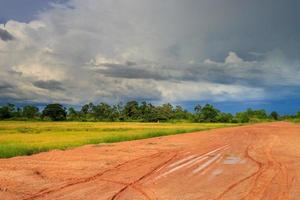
264,176
132,184
193,160
264,180
231,187
85,180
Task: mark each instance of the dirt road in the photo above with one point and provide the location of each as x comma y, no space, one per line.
250,162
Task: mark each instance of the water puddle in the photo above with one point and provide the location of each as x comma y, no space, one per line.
217,172
231,160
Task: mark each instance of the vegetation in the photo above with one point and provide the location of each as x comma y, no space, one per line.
133,111
55,112
25,137
35,133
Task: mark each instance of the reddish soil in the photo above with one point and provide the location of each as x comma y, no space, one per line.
252,162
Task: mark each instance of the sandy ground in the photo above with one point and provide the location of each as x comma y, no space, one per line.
260,161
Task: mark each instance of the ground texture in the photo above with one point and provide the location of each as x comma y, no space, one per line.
250,162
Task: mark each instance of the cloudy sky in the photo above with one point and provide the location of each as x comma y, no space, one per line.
232,53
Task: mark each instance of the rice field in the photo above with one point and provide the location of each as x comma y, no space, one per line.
26,138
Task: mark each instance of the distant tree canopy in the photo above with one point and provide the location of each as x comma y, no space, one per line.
55,112
30,112
7,111
274,115
206,114
135,111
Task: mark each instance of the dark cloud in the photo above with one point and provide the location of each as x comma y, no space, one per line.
49,85
13,72
5,35
142,48
6,87
11,93
247,73
129,71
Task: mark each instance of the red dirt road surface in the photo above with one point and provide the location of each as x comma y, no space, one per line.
252,162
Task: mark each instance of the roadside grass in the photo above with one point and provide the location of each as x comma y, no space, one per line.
296,120
27,138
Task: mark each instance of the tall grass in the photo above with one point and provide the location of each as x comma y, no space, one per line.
26,138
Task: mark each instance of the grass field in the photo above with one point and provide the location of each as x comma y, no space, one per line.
26,138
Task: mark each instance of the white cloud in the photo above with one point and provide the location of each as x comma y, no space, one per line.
193,91
233,58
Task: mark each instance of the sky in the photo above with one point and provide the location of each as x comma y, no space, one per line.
231,53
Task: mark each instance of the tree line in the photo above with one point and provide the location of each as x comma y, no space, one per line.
133,111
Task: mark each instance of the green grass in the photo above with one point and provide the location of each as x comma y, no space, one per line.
295,120
26,138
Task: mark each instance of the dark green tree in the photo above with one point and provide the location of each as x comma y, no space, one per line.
258,114
298,114
206,114
102,112
224,117
117,112
7,111
209,113
87,112
165,112
131,110
180,113
55,112
198,108
85,109
72,114
242,117
18,113
30,111
148,112
274,115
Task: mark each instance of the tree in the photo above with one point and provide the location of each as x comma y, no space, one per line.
209,113
72,114
148,112
103,111
259,114
131,110
206,114
198,108
56,112
7,111
30,111
117,112
165,112
274,115
19,112
242,117
86,112
180,113
87,108
298,114
224,117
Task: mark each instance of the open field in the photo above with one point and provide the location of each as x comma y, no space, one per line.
26,138
258,161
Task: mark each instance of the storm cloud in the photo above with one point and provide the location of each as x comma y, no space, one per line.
49,85
5,35
5,87
173,50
